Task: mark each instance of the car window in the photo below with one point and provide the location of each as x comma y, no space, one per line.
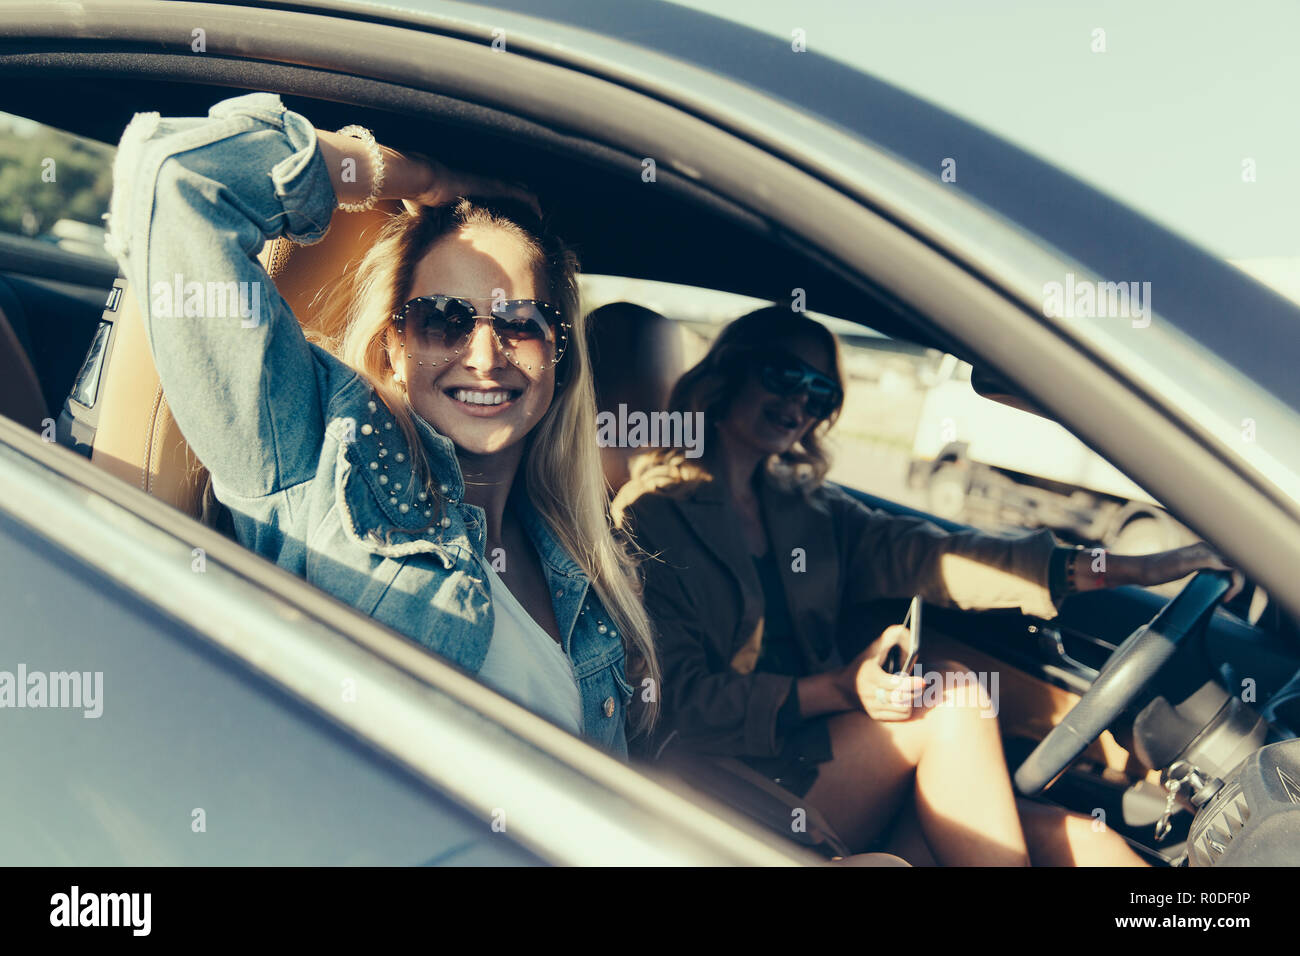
54,186
914,431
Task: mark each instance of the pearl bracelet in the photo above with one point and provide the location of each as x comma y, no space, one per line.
376,168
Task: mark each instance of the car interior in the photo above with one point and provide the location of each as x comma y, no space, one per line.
74,363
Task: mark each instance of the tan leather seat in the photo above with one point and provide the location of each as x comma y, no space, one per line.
137,438
637,356
20,389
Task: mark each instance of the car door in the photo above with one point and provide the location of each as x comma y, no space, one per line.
171,754
170,698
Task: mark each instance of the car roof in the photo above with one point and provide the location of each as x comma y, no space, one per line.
695,60
1245,323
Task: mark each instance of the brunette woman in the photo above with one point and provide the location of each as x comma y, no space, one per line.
758,568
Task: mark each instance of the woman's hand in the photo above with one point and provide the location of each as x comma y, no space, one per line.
415,179
1095,569
444,184
1166,566
883,696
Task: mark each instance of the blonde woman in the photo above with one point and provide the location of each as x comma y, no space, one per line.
434,466
749,641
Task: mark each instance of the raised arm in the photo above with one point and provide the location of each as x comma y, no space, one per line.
194,200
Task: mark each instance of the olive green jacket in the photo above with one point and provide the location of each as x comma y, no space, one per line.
835,555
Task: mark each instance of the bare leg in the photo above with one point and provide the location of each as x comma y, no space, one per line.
948,757
907,840
1058,837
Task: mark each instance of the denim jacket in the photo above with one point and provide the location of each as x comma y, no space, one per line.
307,458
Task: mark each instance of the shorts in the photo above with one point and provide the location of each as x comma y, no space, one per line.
796,767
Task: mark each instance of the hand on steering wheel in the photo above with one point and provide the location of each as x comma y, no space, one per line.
1130,669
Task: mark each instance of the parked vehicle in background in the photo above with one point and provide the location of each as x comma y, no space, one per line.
985,463
77,236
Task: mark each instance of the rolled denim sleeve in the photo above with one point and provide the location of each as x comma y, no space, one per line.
194,200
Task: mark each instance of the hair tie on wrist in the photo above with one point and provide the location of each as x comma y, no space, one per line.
376,168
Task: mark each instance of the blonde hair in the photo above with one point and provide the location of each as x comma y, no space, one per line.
711,385
562,471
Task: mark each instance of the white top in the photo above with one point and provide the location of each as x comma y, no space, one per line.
525,664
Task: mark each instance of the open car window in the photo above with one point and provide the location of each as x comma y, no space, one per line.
914,431
54,186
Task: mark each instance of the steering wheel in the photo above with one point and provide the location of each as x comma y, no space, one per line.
1130,669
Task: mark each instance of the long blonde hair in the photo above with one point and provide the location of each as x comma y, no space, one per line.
711,385
562,471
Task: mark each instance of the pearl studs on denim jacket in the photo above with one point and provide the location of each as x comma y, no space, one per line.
402,474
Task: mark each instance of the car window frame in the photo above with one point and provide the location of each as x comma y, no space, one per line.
971,302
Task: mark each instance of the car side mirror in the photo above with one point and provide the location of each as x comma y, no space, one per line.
990,385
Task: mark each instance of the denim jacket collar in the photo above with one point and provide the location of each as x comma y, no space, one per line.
443,464
376,486
378,492
556,560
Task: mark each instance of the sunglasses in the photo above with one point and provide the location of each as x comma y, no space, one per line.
530,333
785,375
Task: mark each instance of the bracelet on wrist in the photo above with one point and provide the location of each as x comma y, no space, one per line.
1060,572
376,168
1098,576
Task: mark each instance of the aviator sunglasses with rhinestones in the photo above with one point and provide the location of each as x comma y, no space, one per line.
532,334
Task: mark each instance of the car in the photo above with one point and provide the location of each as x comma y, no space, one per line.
248,718
77,237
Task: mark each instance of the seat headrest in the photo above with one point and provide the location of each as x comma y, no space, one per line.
306,275
637,356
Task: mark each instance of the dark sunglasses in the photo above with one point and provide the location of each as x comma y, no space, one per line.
530,332
785,375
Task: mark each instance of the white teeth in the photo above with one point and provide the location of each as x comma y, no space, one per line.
473,397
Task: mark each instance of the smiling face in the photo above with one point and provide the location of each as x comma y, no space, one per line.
478,398
771,424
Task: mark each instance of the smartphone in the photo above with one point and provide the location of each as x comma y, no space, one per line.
901,658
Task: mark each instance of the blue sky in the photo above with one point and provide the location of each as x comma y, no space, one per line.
1163,119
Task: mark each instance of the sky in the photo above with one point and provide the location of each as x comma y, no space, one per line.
1163,119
